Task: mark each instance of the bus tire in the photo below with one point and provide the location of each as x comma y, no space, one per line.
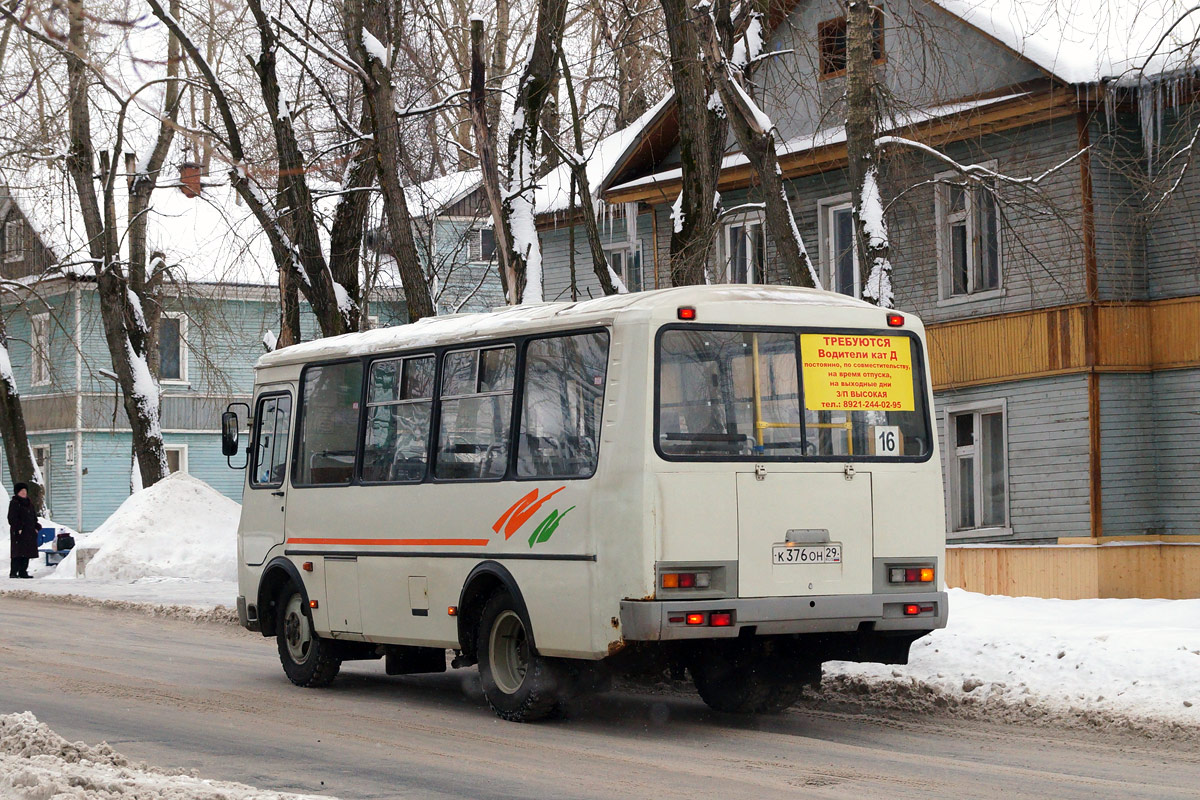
519,685
728,680
307,659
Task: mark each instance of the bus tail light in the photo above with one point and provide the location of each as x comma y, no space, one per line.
695,619
720,619
913,610
895,320
910,575
686,313
686,580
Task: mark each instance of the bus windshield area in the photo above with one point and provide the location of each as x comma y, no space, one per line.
780,394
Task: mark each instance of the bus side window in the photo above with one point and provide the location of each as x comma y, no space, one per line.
563,398
398,411
325,445
273,423
476,413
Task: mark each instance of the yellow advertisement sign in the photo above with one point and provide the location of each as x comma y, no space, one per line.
853,372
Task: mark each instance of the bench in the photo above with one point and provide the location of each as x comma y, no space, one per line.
53,556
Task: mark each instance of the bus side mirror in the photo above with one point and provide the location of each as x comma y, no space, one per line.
229,434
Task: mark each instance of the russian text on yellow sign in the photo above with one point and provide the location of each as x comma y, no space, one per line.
852,372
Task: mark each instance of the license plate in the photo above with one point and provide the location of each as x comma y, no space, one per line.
807,554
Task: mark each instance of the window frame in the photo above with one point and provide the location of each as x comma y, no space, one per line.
919,385
430,437
826,207
44,469
475,245
251,464
628,248
516,431
299,404
976,408
944,241
183,350
743,220
14,246
832,24
510,473
518,364
182,449
39,352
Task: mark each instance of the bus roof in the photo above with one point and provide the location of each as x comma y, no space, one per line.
526,319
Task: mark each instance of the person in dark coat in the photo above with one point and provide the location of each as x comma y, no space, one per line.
23,528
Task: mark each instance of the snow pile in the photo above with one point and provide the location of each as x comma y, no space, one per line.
178,528
1133,662
36,764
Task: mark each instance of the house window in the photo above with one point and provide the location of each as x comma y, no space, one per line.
745,251
41,457
839,258
978,468
14,240
968,234
172,352
176,458
481,245
625,260
831,44
39,340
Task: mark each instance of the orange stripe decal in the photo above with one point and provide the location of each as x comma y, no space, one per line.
384,542
520,512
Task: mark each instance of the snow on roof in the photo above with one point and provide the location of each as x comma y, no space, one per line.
825,137
211,238
554,192
427,199
458,328
1085,41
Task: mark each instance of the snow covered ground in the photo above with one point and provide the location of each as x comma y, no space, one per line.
174,544
1097,662
38,764
171,549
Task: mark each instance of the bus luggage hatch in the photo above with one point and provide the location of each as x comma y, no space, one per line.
804,533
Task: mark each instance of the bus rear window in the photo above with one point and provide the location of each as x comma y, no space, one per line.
729,394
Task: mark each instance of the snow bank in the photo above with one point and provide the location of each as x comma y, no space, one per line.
36,764
178,528
1098,661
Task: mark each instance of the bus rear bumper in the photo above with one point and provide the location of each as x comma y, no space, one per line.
658,620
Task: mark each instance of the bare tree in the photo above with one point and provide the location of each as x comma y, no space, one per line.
371,55
17,452
525,157
703,129
862,116
755,134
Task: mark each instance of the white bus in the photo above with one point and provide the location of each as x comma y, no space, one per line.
739,482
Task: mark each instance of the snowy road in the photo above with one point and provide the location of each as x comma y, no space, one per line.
213,698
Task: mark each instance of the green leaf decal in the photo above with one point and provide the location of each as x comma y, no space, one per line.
544,531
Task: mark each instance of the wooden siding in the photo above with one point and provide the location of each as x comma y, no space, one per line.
1048,448
1177,449
1132,337
1129,441
1077,572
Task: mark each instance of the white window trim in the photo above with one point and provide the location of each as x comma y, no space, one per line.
183,455
476,242
944,257
743,219
949,411
39,356
183,379
628,248
44,469
825,208
14,253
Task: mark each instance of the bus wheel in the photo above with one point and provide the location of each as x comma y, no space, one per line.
519,685
307,659
731,677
